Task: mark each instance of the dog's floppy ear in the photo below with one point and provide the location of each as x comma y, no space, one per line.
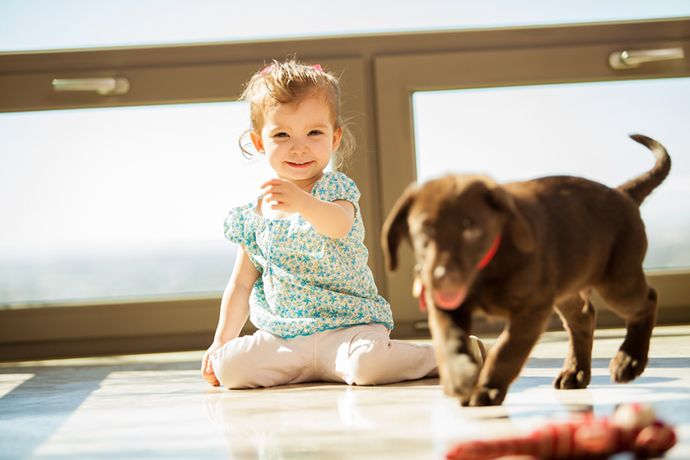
520,230
395,228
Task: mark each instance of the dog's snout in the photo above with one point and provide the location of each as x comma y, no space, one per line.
445,275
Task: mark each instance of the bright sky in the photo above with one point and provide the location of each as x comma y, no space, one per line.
45,24
134,178
578,129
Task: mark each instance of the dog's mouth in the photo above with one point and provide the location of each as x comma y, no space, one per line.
449,299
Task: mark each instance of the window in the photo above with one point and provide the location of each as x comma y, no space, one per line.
530,94
519,133
112,206
182,83
120,202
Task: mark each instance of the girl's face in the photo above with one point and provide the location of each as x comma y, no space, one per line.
298,140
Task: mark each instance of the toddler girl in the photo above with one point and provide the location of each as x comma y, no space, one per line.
301,271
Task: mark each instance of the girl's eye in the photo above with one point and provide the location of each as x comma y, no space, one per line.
315,132
280,135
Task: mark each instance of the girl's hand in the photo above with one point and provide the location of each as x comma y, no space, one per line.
333,219
283,195
207,366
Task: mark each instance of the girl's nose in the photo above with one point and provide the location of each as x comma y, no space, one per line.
299,146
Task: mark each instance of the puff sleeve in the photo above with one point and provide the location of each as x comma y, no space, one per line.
234,226
337,186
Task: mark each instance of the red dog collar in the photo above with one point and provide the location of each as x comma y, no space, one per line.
482,263
490,255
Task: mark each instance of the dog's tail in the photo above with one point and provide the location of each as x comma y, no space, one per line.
640,187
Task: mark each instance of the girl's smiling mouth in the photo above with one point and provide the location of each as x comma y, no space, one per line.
299,165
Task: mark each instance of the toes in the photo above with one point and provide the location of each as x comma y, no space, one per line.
487,397
625,368
461,377
571,380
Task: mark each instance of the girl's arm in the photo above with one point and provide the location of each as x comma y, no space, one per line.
333,219
234,310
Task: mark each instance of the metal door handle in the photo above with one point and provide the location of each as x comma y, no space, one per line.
631,59
103,86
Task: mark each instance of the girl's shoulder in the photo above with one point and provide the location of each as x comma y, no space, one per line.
245,210
336,186
238,221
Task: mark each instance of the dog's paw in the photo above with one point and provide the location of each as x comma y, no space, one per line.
485,396
460,379
625,368
572,379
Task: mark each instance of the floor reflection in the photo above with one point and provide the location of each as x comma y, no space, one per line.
323,420
158,406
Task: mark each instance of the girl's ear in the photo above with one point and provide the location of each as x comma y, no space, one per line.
256,140
337,135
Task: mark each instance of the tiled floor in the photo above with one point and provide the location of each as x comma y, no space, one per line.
158,406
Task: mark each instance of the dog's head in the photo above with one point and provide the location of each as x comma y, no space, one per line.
452,223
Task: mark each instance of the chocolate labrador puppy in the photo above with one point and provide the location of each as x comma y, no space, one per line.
518,251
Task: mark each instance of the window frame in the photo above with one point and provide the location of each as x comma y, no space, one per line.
550,62
379,74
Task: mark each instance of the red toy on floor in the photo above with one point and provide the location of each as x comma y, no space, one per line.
632,428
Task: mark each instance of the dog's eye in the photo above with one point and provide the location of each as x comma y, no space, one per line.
471,232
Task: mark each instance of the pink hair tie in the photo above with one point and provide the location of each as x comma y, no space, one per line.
317,67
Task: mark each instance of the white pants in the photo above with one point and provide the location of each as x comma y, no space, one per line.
356,355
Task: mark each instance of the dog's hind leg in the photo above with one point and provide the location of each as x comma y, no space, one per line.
578,316
635,301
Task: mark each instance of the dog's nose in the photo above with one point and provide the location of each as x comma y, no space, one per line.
446,275
440,272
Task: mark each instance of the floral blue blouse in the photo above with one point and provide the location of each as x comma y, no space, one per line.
308,282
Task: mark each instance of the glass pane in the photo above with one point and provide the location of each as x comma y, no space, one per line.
49,24
519,133
120,202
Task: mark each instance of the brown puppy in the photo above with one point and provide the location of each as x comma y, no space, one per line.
518,251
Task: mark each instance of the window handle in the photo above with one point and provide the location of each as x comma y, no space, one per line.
631,59
103,86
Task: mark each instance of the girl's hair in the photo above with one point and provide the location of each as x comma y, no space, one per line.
291,82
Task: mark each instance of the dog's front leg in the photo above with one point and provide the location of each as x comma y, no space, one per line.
508,355
457,369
